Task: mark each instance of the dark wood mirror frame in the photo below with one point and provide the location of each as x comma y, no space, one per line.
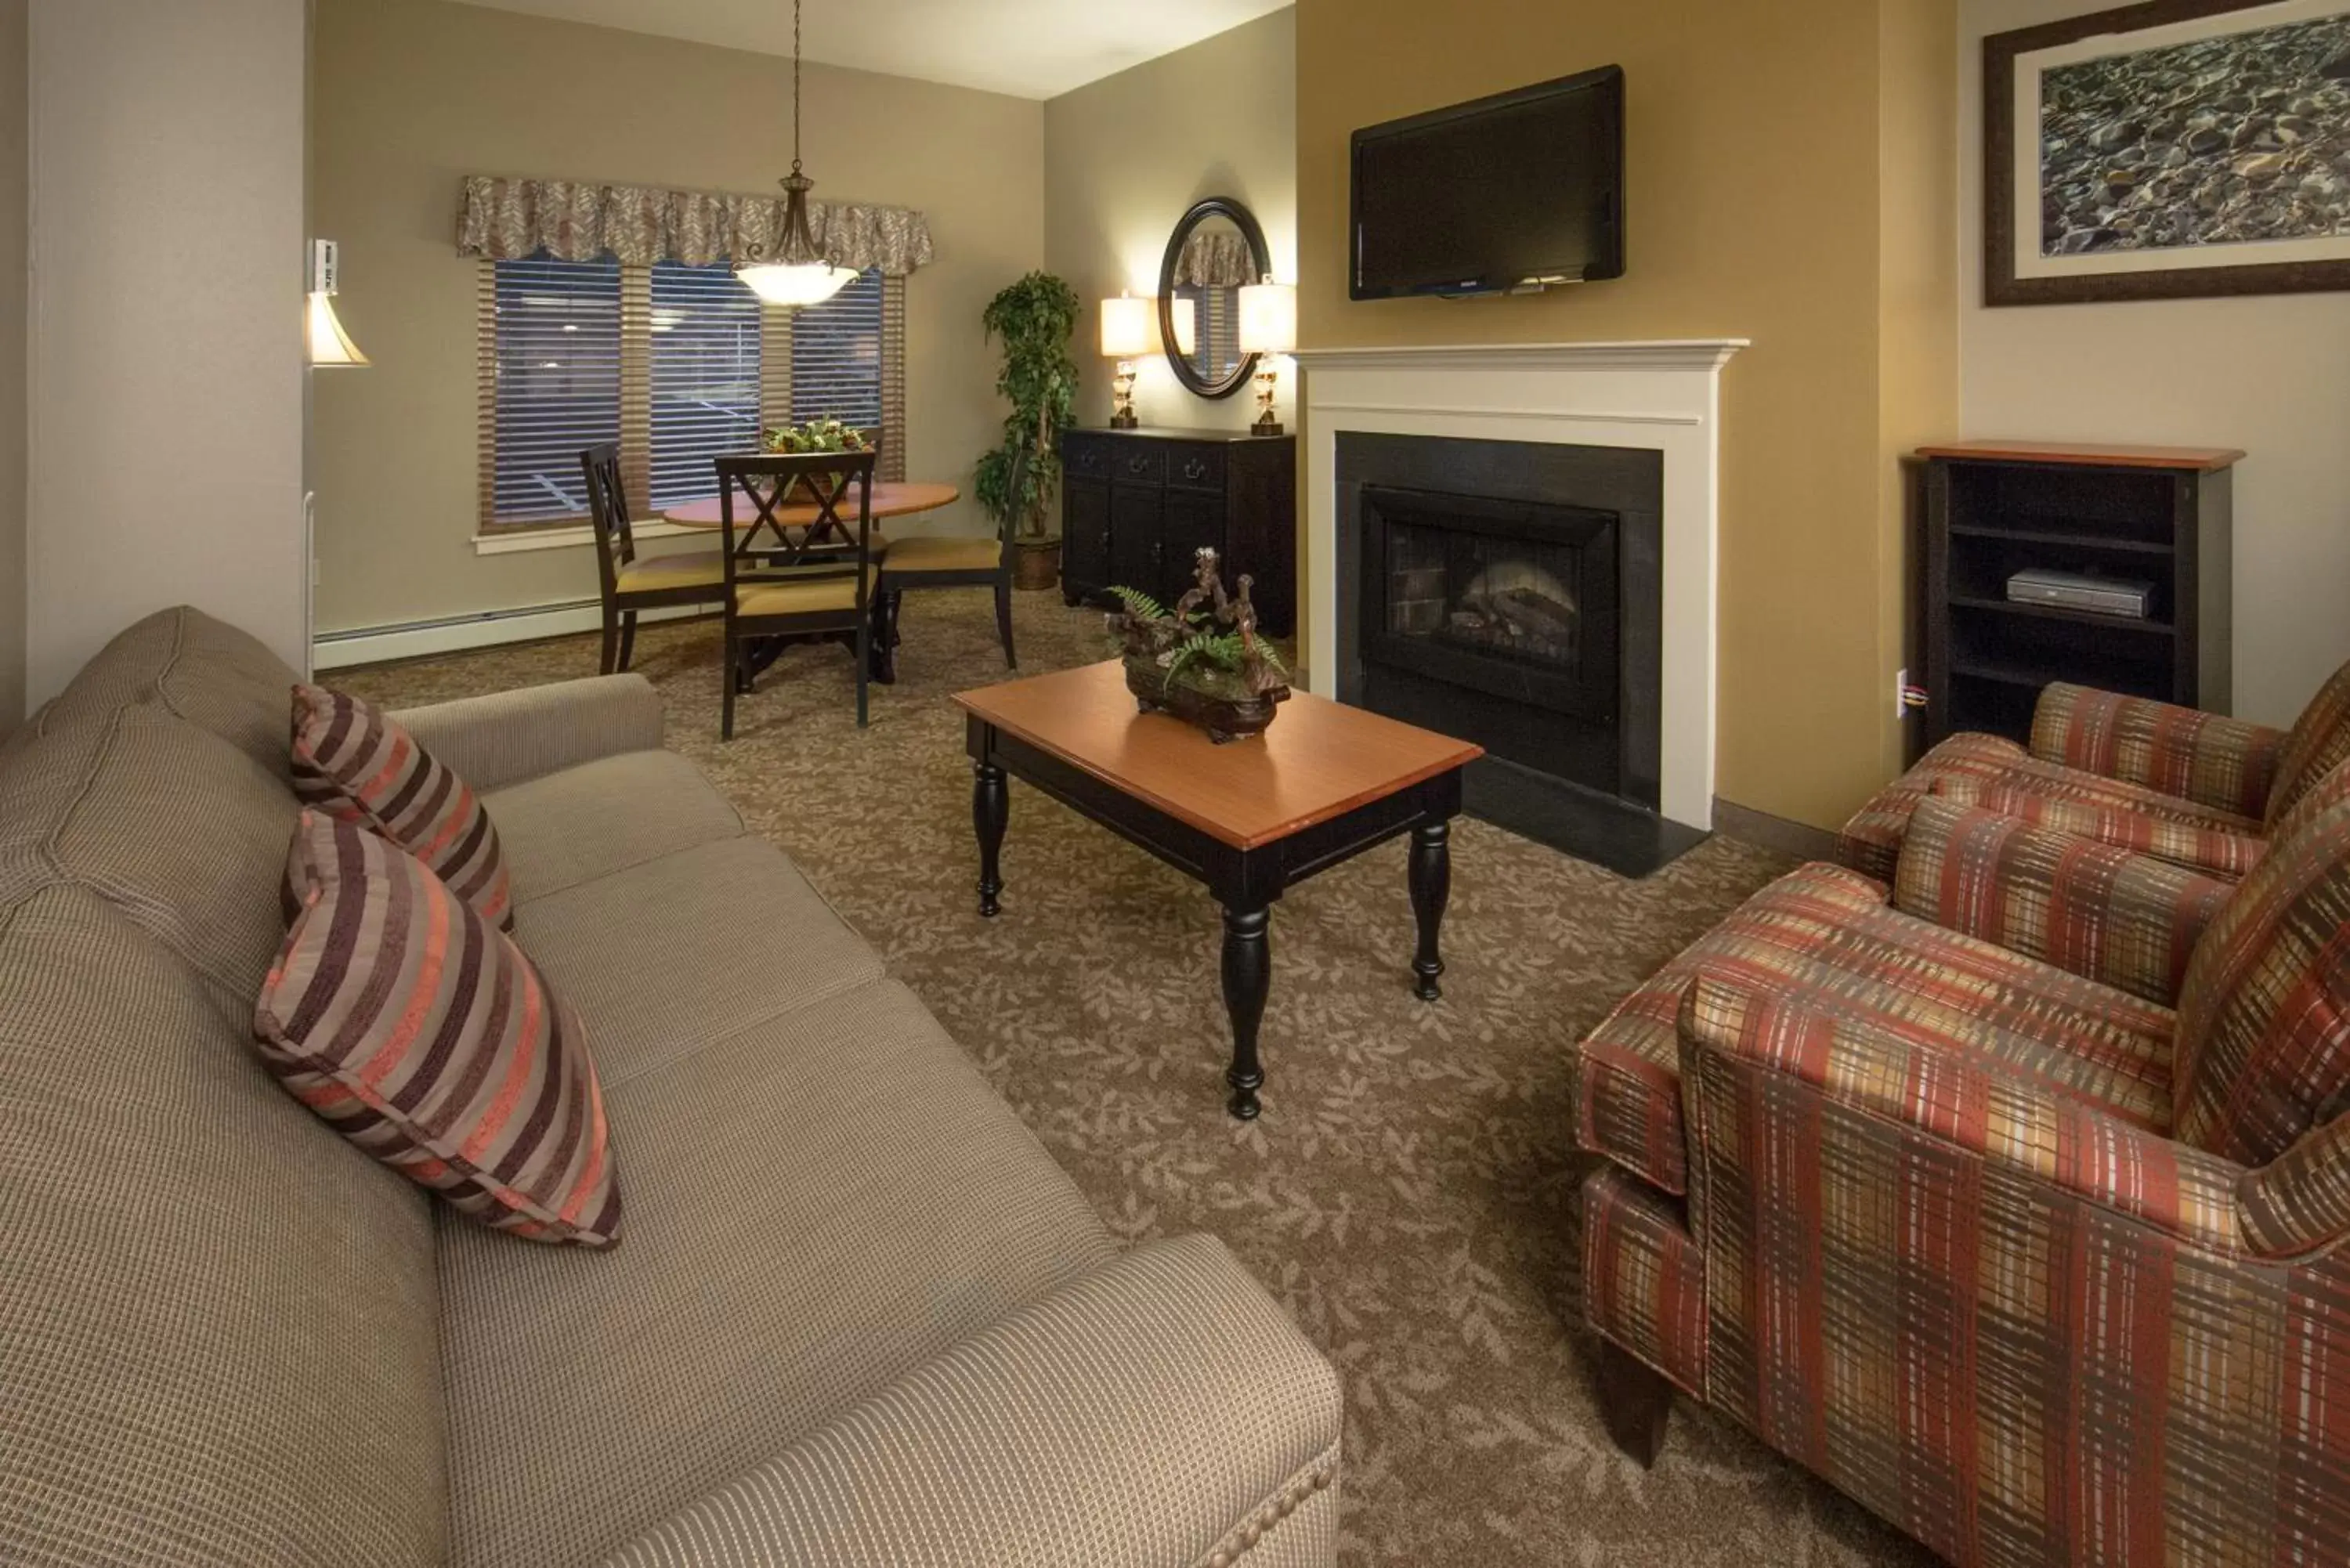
1251,231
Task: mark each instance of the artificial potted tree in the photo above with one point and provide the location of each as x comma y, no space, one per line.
1035,318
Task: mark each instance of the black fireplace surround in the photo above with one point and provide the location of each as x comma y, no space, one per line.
1510,593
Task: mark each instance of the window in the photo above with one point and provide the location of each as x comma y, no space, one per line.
676,364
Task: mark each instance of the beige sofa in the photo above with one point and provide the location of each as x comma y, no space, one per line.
859,1317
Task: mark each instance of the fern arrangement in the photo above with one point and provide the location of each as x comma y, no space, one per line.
1194,641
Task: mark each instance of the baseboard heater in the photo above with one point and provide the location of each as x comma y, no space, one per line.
454,634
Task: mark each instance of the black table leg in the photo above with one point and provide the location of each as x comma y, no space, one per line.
990,812
883,614
1432,887
1248,976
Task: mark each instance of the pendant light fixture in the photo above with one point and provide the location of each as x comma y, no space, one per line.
800,273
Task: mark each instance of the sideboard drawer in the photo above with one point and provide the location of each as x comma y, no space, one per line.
1139,462
1087,457
1195,466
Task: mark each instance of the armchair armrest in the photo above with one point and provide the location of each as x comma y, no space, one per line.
2226,763
2010,1122
1161,1410
510,737
2299,1203
2090,909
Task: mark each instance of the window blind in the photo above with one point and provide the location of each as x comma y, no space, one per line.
551,348
704,327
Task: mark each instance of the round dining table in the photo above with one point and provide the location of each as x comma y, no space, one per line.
892,498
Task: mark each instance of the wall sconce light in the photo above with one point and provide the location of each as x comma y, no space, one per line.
328,344
1268,327
1125,337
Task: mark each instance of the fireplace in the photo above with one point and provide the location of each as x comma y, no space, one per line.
1508,592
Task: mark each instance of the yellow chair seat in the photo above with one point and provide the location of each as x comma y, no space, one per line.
694,569
945,552
814,596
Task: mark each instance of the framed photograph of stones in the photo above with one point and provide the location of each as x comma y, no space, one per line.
2168,150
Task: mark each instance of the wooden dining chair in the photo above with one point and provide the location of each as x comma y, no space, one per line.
957,561
629,584
796,583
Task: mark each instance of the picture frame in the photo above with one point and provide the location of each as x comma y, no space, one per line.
2154,152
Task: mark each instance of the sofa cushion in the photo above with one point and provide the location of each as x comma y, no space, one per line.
419,1031
2264,1016
355,765
217,678
818,1203
663,957
1831,929
219,1320
608,815
182,831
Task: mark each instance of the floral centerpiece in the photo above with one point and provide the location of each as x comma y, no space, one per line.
1203,660
816,435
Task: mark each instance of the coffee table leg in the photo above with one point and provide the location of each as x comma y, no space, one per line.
990,812
1431,889
1248,976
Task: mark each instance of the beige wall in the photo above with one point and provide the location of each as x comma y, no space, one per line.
14,195
1763,143
164,356
411,95
2269,373
1127,156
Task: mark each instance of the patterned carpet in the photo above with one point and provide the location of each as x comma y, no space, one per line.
1409,1193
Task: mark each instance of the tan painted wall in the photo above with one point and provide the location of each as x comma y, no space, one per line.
165,359
2266,373
1127,156
1757,176
411,95
14,176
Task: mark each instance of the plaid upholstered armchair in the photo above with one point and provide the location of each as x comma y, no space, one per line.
2010,1199
2174,783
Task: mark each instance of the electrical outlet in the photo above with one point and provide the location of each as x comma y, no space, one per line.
1901,693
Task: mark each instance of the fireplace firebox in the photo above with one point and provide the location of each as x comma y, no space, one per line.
1510,593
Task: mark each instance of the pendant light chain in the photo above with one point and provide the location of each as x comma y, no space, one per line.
795,86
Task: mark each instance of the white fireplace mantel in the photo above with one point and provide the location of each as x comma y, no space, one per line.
1663,396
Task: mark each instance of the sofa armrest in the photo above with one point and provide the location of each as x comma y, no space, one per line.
2010,1122
510,737
2090,909
2226,763
1161,1410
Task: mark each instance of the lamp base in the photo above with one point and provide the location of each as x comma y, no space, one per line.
1125,421
1267,426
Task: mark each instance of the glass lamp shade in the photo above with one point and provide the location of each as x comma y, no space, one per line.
1268,318
1125,327
811,284
1187,328
330,345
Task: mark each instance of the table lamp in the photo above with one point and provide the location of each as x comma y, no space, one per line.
1124,337
1268,327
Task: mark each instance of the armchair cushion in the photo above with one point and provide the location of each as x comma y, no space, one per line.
2320,742
2183,752
2087,907
1830,928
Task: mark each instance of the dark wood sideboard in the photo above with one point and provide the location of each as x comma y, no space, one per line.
1137,505
2159,516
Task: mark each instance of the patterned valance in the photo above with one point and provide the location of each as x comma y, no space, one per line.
507,220
1216,258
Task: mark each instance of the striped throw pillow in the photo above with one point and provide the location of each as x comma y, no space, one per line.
422,1034
355,764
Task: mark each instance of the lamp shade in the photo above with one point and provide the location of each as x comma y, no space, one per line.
802,284
329,343
1187,326
1268,318
1125,327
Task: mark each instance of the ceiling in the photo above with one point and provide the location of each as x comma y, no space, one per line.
1030,48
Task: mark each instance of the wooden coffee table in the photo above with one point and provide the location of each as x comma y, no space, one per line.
1248,819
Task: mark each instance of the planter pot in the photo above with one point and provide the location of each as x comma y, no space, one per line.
1036,564
1225,719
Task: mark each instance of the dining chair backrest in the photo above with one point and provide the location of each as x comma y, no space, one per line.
754,497
608,512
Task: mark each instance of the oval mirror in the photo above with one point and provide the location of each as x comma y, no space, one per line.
1216,251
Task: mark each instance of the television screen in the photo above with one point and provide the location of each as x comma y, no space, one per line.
1505,192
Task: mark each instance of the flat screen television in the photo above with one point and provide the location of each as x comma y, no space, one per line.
1516,191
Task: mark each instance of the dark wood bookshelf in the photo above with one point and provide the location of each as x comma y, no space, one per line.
2159,516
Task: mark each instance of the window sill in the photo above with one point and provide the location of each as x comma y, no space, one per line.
525,539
